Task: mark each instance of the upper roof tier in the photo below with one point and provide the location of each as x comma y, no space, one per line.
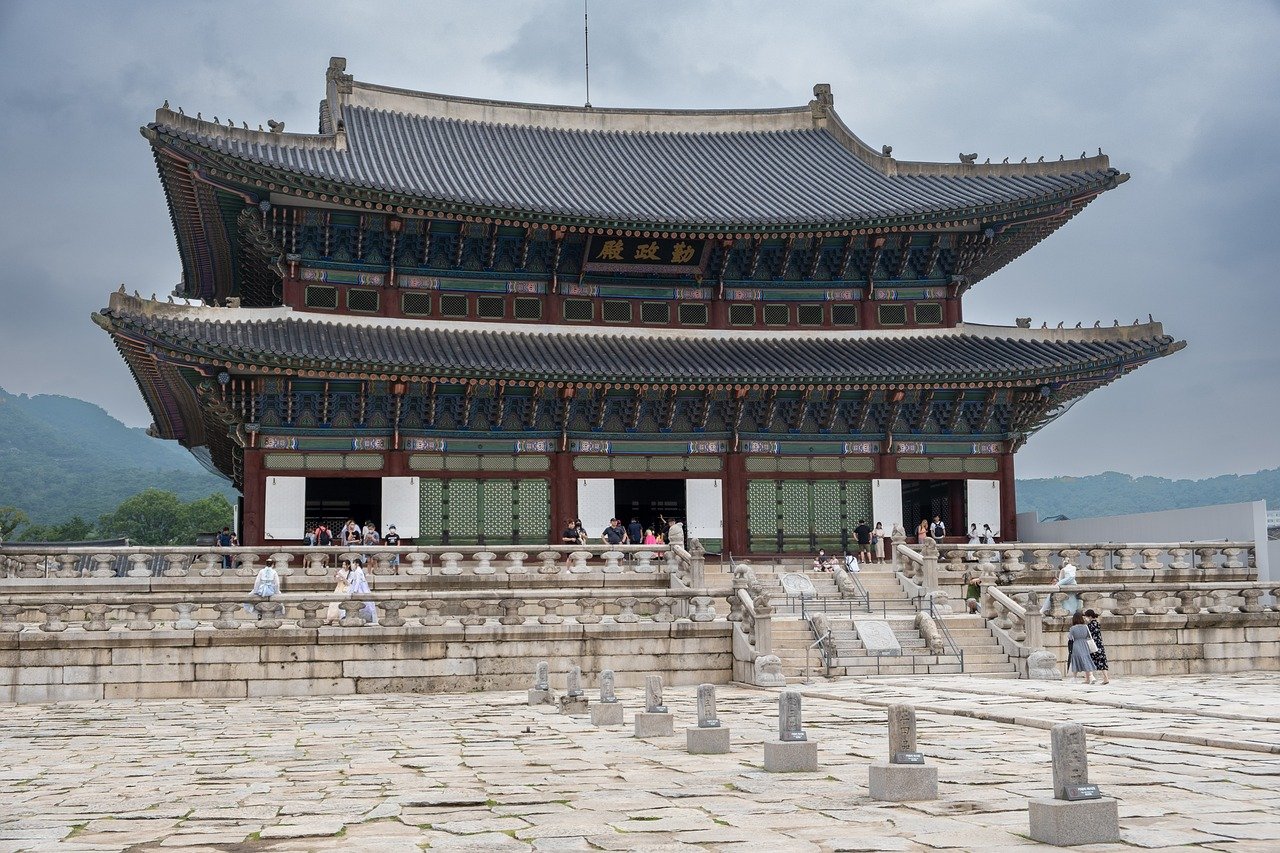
791,168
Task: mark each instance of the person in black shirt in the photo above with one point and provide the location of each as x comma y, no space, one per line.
863,534
569,535
392,538
635,533
614,534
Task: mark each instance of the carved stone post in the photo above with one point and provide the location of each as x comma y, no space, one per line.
484,563
67,566
515,566
96,617
627,609
550,562
432,617
1077,813
703,611
139,566
53,620
510,612
9,621
473,617
175,566
708,737
792,751
540,693
226,620
449,563
905,778
310,617
655,720
588,611
391,613
182,616
551,611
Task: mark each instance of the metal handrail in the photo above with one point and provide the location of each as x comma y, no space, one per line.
946,634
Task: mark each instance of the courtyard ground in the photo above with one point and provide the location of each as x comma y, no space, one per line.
1194,762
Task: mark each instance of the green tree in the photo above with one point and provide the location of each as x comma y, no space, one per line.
11,518
156,517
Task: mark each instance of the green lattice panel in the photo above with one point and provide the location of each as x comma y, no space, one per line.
857,502
534,510
762,513
462,512
431,511
826,509
498,511
796,513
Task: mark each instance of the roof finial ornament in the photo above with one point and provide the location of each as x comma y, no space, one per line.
216,121
822,101
165,105
1045,324
1023,322
259,127
1084,154
1024,159
245,124
986,162
121,290
1099,152
968,159
1097,324
1041,159
1005,160
1135,321
1150,319
199,117
180,111
1115,324
886,150
231,123
1060,324
1061,157
1079,324
276,126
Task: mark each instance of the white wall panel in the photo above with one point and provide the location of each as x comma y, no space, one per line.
982,505
401,505
886,503
285,513
595,506
704,502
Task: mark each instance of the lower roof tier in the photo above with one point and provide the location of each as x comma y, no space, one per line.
272,339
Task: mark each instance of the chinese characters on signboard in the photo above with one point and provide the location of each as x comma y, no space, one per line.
635,253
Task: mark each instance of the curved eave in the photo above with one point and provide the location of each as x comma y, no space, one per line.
293,346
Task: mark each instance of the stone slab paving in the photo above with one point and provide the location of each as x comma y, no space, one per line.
487,772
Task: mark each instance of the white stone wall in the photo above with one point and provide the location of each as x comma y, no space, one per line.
1223,522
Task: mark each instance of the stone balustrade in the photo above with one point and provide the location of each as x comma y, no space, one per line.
471,608
1136,561
1150,599
441,561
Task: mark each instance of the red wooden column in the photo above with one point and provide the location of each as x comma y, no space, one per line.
1008,500
564,493
735,503
255,489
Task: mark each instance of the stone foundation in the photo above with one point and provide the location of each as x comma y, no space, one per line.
1065,824
207,663
654,724
706,741
902,783
791,756
1177,644
606,714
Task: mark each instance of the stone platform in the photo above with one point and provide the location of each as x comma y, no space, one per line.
483,771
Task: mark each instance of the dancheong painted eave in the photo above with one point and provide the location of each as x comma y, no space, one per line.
270,339
713,171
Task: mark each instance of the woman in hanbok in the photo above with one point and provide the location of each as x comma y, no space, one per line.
1066,577
360,586
877,542
265,585
343,588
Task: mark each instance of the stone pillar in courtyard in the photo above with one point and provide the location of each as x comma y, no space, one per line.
792,751
905,778
1077,813
708,737
608,711
540,693
574,700
655,720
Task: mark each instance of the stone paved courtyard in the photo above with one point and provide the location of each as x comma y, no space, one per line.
1194,761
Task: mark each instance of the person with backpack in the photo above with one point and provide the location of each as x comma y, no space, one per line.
224,541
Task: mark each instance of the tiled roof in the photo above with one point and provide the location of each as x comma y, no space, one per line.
799,175
549,353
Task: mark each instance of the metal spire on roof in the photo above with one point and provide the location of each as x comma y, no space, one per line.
586,50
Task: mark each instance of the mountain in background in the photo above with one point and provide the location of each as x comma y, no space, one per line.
1112,493
61,457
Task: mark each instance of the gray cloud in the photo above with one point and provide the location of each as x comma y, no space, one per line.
1182,95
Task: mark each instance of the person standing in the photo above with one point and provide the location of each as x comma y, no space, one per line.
938,529
392,539
972,589
649,538
635,533
342,588
877,543
922,531
224,541
360,586
569,536
974,537
863,534
1099,657
614,534
1078,639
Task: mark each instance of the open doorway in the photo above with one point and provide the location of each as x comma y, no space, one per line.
332,500
647,499
929,498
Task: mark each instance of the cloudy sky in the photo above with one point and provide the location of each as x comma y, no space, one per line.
1181,95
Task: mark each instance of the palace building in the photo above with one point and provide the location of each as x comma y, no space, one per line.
476,319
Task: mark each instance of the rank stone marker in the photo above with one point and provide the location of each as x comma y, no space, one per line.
1077,813
655,720
540,693
905,779
608,711
792,751
708,737
574,700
